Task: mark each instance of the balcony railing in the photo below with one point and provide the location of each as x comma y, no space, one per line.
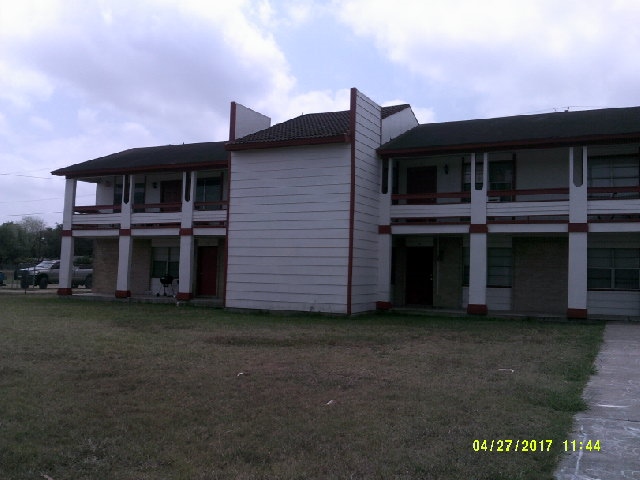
149,214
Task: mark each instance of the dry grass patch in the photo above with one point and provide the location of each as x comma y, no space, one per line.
118,391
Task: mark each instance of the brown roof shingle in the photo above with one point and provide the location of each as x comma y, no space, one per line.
309,128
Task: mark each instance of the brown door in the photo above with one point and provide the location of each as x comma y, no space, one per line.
419,280
422,180
171,193
207,271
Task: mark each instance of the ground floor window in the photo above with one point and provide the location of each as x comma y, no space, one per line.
499,266
613,268
166,261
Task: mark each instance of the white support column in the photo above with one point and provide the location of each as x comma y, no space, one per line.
477,274
577,296
187,243
578,234
479,196
67,243
125,242
127,200
189,180
385,242
125,249
478,240
185,281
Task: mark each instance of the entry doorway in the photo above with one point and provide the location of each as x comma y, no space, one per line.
207,271
422,180
419,276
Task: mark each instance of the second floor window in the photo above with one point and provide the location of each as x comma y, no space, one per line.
501,177
612,172
209,189
138,193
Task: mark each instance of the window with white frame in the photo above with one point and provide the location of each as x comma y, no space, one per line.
209,189
611,172
501,177
613,268
499,266
166,261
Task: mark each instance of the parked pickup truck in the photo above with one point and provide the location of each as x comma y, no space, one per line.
48,271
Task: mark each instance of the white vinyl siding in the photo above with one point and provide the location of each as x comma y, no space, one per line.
367,198
289,229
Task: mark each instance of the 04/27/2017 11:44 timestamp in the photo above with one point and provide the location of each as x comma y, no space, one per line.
533,445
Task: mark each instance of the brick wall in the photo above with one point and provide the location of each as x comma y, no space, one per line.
105,265
140,267
540,275
448,287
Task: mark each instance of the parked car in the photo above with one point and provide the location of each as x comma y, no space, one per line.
48,271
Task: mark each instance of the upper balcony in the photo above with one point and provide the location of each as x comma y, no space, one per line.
181,199
522,187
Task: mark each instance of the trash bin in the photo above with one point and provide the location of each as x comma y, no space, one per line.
24,279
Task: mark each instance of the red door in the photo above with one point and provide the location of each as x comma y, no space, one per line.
207,271
419,276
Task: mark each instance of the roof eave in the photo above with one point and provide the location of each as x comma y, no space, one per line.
98,172
494,146
342,138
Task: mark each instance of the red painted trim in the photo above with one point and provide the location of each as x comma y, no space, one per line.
384,306
67,233
343,138
526,143
384,229
123,293
65,292
232,122
577,313
184,296
125,232
478,228
186,232
476,309
352,196
578,227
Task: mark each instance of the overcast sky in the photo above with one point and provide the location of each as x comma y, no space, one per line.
81,79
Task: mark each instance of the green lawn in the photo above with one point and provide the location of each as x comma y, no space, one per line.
92,390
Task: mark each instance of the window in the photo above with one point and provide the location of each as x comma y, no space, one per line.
612,172
613,268
209,189
138,193
499,266
166,260
466,177
500,178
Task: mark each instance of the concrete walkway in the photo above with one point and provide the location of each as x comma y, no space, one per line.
613,416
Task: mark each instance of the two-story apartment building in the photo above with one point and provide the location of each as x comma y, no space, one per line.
346,212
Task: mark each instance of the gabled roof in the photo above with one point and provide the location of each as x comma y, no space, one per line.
167,157
309,129
549,129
